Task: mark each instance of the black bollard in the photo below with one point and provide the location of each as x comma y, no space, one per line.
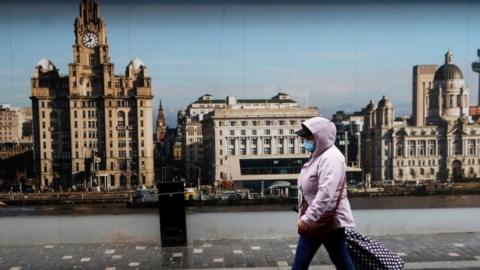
173,229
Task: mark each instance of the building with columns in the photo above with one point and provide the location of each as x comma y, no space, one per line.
442,146
190,124
254,147
92,126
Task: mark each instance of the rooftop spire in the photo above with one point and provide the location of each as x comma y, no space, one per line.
448,57
160,107
89,11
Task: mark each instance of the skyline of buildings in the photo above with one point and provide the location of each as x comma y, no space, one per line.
95,128
329,56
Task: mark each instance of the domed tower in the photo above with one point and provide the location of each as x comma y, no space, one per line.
44,73
448,99
384,113
136,74
369,116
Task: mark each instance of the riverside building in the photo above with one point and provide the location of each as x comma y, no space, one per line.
254,147
15,124
442,143
190,125
91,126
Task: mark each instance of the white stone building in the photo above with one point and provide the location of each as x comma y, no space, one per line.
443,146
254,147
190,127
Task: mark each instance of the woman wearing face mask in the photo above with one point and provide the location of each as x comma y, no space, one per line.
322,197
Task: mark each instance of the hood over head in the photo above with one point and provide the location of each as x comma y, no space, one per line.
324,132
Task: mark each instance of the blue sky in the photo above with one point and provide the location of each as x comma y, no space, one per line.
336,57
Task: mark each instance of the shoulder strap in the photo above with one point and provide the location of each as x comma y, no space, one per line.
340,194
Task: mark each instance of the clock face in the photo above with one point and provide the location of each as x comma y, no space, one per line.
90,40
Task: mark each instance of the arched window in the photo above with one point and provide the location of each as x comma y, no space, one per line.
121,119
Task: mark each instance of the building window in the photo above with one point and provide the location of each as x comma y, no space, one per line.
471,147
232,132
291,150
254,132
431,147
267,131
243,132
411,148
280,132
421,148
91,59
244,123
267,150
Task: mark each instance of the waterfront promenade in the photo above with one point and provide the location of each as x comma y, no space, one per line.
425,251
112,236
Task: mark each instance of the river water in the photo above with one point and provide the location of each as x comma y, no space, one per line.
357,203
116,223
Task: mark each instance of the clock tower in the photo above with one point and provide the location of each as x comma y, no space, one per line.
92,127
90,72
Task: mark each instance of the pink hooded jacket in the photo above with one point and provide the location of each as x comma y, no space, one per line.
321,177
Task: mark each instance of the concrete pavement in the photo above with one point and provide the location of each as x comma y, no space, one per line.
423,251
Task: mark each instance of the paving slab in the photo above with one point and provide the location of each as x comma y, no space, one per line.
423,251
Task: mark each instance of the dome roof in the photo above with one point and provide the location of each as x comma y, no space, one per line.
371,106
136,63
448,71
45,65
385,103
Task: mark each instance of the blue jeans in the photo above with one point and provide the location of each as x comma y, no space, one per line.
335,246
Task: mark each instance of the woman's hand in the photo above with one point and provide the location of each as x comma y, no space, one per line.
302,226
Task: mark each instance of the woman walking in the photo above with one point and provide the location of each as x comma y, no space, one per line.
324,210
